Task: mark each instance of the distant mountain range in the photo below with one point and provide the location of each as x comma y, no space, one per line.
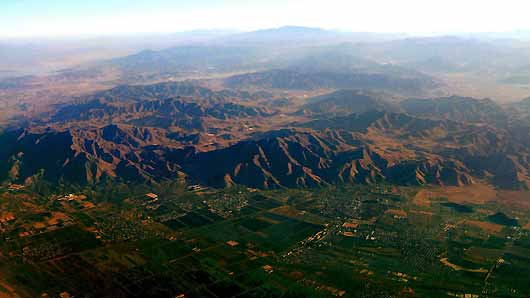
303,50
461,52
297,36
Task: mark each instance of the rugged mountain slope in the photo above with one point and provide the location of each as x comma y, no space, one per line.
366,148
87,155
165,113
397,125
293,79
463,109
127,93
284,159
488,153
176,105
306,158
135,93
521,110
344,102
220,138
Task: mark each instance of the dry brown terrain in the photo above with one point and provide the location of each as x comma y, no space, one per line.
469,194
519,199
488,227
480,87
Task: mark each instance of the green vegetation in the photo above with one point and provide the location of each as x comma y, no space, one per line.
345,241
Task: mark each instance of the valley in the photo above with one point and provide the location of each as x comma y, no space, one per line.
243,241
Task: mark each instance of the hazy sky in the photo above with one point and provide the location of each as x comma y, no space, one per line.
25,18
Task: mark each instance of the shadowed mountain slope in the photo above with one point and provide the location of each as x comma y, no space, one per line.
344,102
294,79
463,109
367,148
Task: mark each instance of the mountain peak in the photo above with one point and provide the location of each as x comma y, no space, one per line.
294,29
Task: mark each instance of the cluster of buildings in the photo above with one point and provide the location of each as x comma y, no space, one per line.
226,205
81,199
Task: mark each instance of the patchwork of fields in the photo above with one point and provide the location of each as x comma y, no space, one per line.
355,241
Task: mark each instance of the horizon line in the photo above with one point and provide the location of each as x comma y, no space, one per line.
234,31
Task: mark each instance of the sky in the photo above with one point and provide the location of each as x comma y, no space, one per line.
58,18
